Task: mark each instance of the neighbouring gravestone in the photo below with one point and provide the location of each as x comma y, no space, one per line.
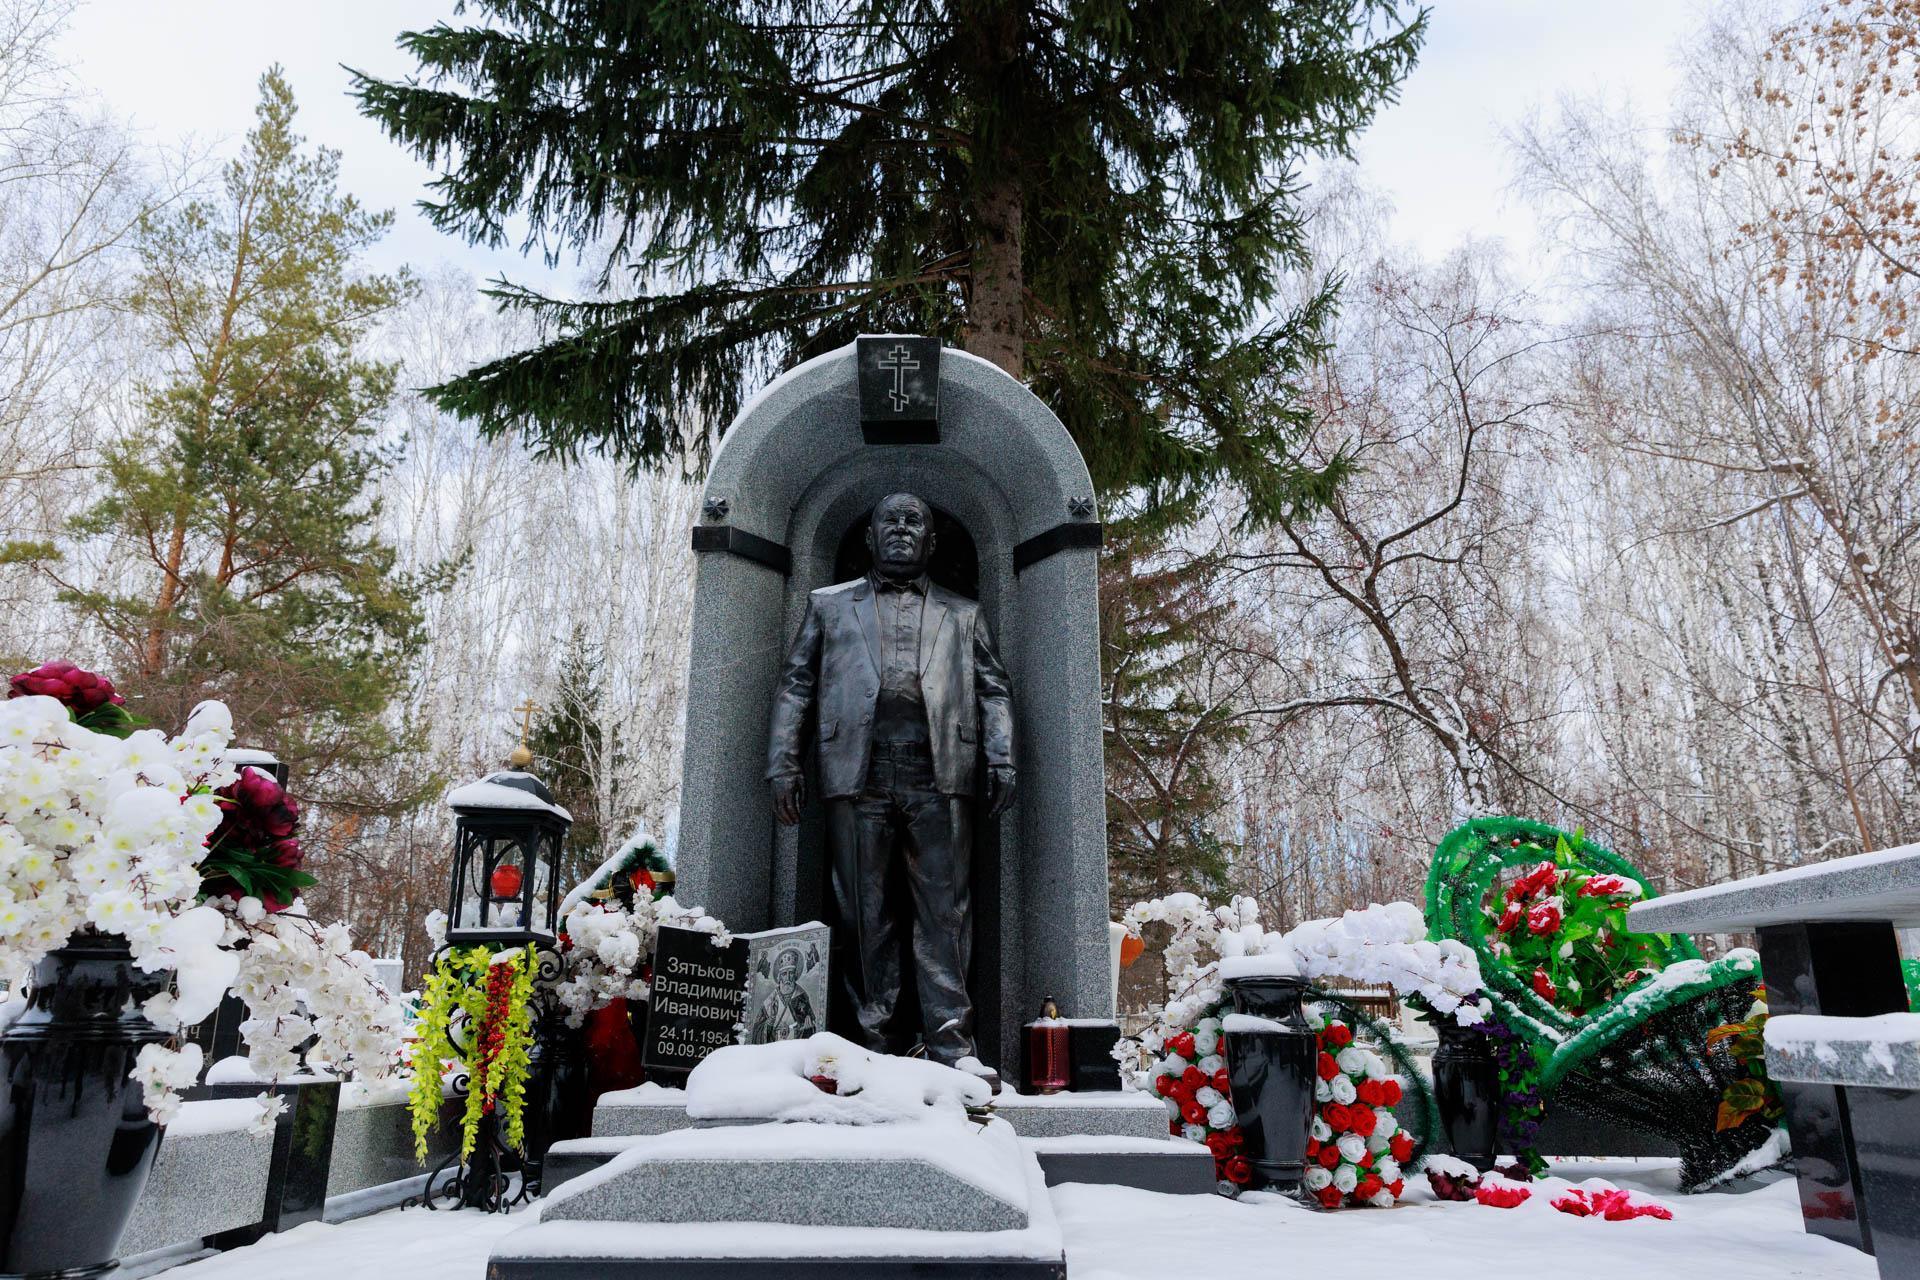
761,986
789,492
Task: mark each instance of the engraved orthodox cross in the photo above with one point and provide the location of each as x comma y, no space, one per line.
899,362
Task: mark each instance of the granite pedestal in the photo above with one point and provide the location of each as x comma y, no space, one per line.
941,1198
793,475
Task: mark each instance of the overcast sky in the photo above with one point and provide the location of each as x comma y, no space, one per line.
187,68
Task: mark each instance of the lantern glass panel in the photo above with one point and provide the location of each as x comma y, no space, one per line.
542,871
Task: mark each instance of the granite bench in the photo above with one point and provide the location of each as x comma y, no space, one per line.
1830,957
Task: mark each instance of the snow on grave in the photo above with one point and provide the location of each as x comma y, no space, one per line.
873,1161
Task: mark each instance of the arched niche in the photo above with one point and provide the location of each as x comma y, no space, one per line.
791,476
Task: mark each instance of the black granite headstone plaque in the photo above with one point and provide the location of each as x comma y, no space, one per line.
699,991
899,390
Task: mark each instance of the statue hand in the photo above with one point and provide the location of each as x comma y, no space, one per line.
789,794
1001,784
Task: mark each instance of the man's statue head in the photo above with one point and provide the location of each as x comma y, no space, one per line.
901,536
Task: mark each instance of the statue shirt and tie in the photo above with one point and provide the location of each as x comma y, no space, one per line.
908,693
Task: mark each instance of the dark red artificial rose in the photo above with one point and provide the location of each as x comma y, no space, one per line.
268,809
1400,1146
1327,1067
1222,1082
1193,1113
1361,1120
1221,1145
1239,1170
1511,918
79,691
1390,1093
1368,1187
1338,1115
1329,1157
255,843
1340,1034
1397,1186
1447,1186
1182,1044
1329,1197
1543,985
1368,1091
1163,1085
1544,918
1313,1148
1193,1078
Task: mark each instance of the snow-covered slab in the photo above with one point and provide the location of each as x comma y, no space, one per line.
1124,1113
841,1202
939,1174
646,1110
1867,886
1880,1052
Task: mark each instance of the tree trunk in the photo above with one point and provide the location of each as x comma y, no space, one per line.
996,310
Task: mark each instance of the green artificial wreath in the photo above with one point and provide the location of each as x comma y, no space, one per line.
1616,1022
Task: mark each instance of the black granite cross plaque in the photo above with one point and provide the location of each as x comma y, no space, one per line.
899,389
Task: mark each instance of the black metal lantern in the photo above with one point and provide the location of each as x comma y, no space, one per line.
255,758
507,840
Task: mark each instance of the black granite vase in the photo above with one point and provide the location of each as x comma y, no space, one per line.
1271,1070
75,1141
559,1096
1466,1088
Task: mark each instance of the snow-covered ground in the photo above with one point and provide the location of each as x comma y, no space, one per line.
1114,1232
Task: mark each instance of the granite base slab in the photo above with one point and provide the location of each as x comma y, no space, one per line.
1173,1166
942,1175
893,1267
641,1218
1123,1113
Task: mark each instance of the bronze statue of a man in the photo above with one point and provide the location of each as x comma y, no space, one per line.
908,693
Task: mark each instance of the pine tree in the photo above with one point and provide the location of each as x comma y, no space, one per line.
238,524
1097,196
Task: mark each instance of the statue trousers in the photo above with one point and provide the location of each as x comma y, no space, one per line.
900,818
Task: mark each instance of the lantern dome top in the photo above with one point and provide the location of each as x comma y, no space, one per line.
507,789
238,756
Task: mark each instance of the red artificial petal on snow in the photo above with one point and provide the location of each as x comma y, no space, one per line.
1503,1195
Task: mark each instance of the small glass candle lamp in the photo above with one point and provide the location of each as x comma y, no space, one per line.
1049,1059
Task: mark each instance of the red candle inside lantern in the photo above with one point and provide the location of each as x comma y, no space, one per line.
505,882
1048,1066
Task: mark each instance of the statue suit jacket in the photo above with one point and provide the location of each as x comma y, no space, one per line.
834,668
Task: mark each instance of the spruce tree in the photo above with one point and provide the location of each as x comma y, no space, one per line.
1097,196
1168,705
570,754
238,526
